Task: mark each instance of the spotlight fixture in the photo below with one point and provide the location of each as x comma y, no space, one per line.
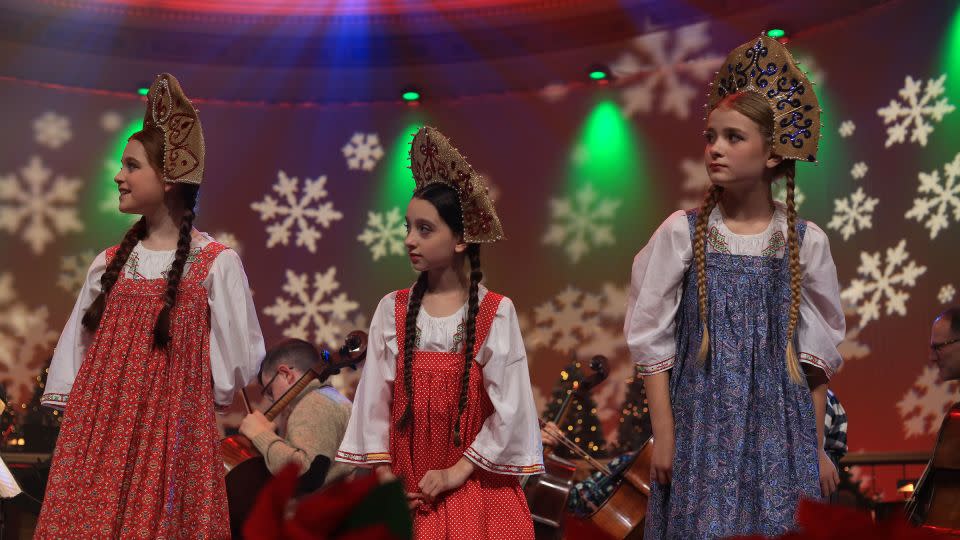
411,96
599,73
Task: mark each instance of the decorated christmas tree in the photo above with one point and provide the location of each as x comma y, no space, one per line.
40,425
579,421
634,429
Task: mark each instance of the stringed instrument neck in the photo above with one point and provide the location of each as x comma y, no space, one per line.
279,405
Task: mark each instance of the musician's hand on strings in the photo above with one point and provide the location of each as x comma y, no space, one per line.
256,423
661,463
435,483
549,435
829,478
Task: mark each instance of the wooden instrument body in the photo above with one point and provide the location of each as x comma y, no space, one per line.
547,496
622,515
936,500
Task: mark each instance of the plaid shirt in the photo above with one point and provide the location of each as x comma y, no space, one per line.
835,428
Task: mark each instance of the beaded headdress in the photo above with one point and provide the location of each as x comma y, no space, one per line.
434,159
766,67
169,110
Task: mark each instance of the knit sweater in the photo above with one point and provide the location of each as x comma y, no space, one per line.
315,426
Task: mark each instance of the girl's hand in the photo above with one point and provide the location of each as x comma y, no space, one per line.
661,463
829,478
435,483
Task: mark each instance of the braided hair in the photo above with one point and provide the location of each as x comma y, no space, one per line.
447,203
754,107
152,140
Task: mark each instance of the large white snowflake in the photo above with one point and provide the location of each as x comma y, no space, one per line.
320,308
924,405
681,71
384,233
363,151
73,270
883,283
915,110
946,293
42,204
852,213
581,223
52,130
851,347
780,193
578,322
230,240
303,211
936,201
695,183
111,121
26,341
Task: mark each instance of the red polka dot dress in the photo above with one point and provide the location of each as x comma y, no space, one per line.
498,430
137,455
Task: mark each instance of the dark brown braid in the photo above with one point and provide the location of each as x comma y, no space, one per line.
700,258
796,277
470,331
93,314
409,342
161,330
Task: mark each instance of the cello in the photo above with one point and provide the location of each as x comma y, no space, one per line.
547,493
934,503
245,468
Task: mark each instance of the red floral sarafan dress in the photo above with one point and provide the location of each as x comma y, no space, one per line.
137,455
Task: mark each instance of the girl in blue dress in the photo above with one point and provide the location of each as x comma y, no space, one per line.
734,319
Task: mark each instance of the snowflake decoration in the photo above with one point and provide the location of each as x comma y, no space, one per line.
301,212
915,111
52,130
35,201
385,233
581,223
924,405
853,213
554,92
363,151
681,71
574,321
73,270
851,347
26,341
780,193
812,69
229,239
859,170
883,282
847,127
695,183
946,293
322,308
111,121
940,198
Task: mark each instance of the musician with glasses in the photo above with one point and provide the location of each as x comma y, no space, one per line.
312,425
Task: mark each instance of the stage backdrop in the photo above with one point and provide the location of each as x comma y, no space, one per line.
313,199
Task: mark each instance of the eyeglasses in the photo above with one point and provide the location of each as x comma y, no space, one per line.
936,347
266,388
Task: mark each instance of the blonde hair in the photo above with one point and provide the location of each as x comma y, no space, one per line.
756,108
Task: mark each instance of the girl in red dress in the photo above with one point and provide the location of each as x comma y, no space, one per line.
445,401
164,328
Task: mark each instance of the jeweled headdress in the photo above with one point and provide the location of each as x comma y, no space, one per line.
169,110
765,66
434,159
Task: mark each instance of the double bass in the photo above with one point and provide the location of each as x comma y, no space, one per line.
547,493
246,469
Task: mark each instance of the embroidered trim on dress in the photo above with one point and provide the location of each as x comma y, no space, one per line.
717,241
817,361
359,459
776,243
656,367
474,456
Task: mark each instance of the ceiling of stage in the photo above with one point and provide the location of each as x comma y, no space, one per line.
354,51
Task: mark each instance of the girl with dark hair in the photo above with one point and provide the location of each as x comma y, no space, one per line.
164,329
734,319
445,401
